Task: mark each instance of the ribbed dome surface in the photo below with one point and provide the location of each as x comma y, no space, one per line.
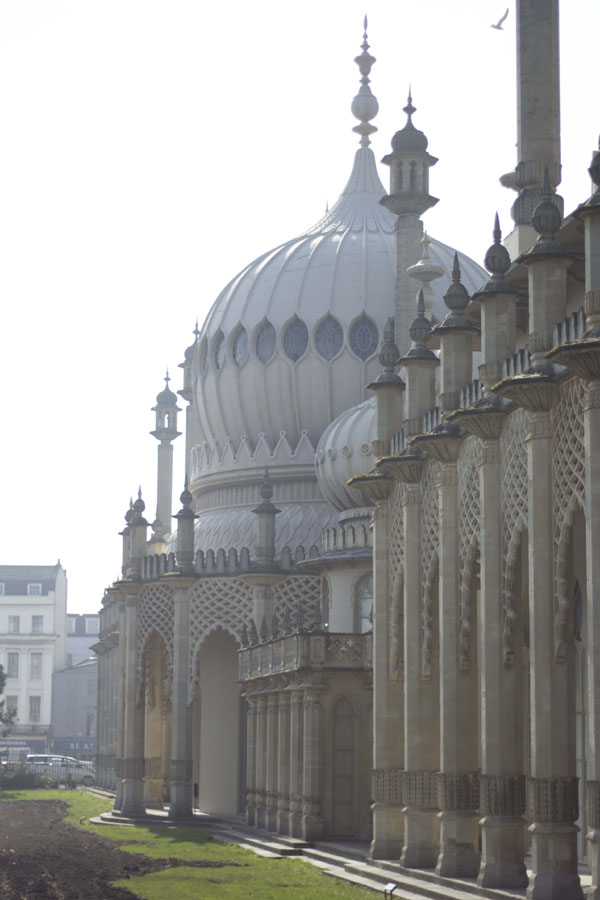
343,451
292,340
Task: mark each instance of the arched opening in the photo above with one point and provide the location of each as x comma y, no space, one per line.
218,736
343,769
155,714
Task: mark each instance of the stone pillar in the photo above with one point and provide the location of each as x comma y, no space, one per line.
251,759
388,706
120,709
592,526
283,762
551,789
457,784
181,750
296,759
261,760
421,706
502,784
272,759
133,719
312,820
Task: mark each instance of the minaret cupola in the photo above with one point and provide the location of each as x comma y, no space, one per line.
409,164
165,431
166,410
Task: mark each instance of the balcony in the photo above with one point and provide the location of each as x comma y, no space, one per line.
306,651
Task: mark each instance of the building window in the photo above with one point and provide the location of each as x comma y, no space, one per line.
329,338
34,590
364,604
35,708
12,665
295,340
266,342
240,347
14,625
12,704
364,337
92,626
219,351
71,625
35,666
37,624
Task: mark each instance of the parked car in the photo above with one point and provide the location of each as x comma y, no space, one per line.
63,768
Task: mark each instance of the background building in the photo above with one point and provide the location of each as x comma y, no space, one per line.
33,645
74,710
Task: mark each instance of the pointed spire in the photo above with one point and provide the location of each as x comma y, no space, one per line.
456,299
420,330
409,109
546,216
365,106
196,331
497,258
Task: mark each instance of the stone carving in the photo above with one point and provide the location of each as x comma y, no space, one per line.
553,799
458,792
386,785
502,795
153,766
419,789
133,767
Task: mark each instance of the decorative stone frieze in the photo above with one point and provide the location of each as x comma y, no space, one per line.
180,770
502,795
153,767
419,789
593,799
553,799
133,768
386,785
458,792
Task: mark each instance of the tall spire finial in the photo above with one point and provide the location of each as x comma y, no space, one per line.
167,378
409,109
365,106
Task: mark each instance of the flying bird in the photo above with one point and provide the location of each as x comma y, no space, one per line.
498,24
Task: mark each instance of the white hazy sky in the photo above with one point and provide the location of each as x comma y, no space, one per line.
151,149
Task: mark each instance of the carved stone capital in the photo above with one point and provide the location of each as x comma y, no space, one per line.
386,785
419,789
502,795
412,494
458,792
488,453
446,476
133,767
553,799
540,426
181,770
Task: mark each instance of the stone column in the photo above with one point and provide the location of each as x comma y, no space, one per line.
181,750
283,762
296,759
133,720
251,759
552,791
272,759
261,760
120,707
388,719
421,706
457,784
502,784
592,525
312,820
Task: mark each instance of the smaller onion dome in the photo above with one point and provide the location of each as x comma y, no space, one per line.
546,217
345,451
166,396
409,137
497,258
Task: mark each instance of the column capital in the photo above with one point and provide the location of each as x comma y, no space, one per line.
540,426
488,453
412,494
446,475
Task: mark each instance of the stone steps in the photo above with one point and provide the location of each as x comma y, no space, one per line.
157,817
274,845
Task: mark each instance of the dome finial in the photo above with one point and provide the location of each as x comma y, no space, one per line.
409,109
365,106
167,378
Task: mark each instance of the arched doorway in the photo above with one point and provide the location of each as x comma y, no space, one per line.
218,733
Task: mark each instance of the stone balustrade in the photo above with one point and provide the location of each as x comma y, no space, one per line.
306,651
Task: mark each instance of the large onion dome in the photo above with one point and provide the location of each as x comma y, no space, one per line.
344,451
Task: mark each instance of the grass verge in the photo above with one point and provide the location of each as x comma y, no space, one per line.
249,877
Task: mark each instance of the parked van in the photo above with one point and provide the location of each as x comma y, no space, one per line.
63,768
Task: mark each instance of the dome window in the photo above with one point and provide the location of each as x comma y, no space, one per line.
329,338
219,351
240,347
295,340
202,358
266,341
364,337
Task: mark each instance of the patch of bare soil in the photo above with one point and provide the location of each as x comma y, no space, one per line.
44,858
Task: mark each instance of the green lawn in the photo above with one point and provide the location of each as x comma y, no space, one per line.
249,877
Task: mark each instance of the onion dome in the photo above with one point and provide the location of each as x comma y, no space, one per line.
166,396
345,451
497,259
409,137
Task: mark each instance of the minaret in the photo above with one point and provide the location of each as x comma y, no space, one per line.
538,116
165,431
408,199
